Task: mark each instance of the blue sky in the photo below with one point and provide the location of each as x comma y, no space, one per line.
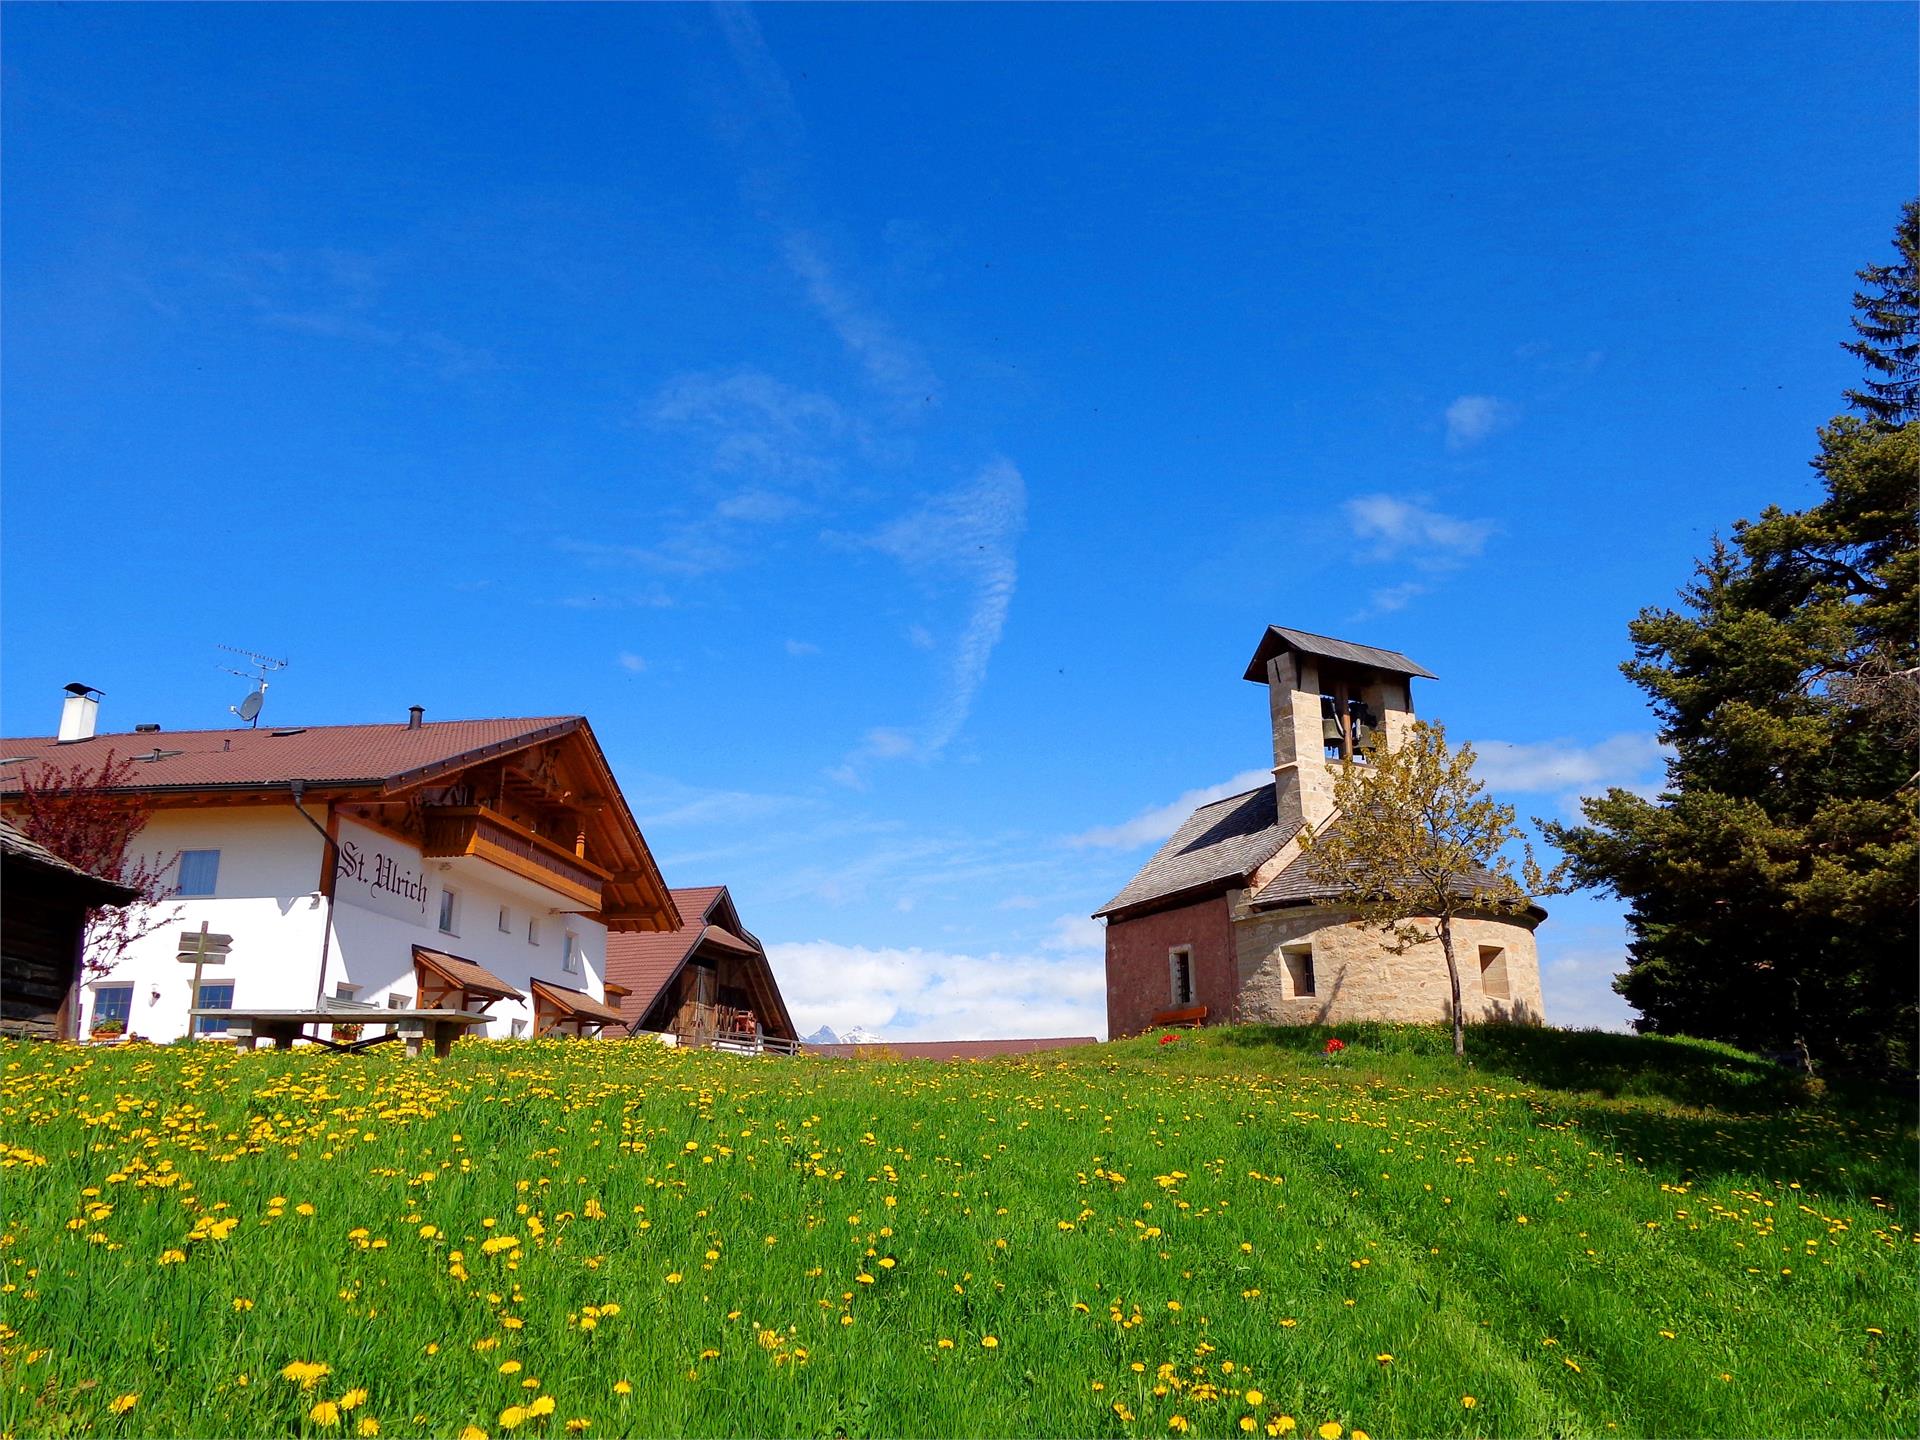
892,426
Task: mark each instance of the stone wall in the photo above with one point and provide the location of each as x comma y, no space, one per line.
1138,985
1356,977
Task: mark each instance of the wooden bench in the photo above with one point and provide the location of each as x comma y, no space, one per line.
1190,1018
413,1028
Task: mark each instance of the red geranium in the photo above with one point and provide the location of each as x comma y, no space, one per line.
1336,1045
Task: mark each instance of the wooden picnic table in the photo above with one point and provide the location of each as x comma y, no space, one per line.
412,1027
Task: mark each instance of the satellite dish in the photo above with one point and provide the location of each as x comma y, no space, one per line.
249,708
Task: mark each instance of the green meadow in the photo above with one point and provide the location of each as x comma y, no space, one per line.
1572,1235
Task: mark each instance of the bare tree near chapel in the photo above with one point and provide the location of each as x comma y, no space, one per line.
1415,844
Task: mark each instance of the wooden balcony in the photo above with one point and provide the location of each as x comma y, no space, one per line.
457,830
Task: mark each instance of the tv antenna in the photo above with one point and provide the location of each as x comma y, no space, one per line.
263,666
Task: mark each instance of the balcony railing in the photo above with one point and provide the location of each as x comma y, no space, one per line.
457,830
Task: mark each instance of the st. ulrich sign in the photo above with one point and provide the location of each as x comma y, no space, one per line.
378,873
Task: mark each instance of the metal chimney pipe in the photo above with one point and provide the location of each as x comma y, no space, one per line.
79,712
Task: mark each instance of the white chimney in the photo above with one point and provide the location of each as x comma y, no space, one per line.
78,712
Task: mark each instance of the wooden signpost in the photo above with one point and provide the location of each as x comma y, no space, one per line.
199,948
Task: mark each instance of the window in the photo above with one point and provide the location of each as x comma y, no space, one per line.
1180,975
213,997
344,991
533,931
112,1002
449,911
570,953
1299,960
397,1001
1493,973
519,1028
199,872
506,920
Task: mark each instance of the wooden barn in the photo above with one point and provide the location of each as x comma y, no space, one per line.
707,983
43,919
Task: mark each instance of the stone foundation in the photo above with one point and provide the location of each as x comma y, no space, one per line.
1355,976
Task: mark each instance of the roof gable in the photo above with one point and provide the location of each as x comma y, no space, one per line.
1220,842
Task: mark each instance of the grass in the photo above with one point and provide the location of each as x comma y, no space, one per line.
1573,1235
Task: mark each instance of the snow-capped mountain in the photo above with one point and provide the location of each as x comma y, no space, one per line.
859,1035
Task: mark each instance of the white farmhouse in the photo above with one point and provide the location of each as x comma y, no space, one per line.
468,864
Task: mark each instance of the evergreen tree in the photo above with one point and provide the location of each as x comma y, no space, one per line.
1771,887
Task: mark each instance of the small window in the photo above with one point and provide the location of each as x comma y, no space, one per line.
1493,973
533,931
344,991
1299,970
213,997
199,872
397,1001
449,911
519,1028
506,920
570,953
1180,976
112,1002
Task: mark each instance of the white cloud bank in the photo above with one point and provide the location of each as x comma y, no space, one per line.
1631,761
907,993
1160,821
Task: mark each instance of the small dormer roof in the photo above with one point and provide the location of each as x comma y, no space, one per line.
1279,639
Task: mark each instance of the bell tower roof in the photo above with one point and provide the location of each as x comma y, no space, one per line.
1280,640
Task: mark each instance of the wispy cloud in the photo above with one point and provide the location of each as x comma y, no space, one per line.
971,533
893,366
748,423
631,663
800,649
1156,823
1474,418
1405,528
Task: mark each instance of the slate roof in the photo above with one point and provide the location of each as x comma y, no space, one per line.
321,754
1222,841
1304,882
18,847
1279,637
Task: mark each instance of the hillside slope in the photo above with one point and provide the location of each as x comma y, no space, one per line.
1226,1234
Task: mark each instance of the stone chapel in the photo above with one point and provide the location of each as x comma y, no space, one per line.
1225,924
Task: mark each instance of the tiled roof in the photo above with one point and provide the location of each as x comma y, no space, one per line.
1223,841
322,754
577,1002
947,1049
14,843
477,978
1279,637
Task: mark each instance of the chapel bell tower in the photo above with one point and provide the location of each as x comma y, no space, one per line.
1333,703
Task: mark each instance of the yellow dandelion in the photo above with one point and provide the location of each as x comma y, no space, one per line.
578,1424
945,1344
1331,1430
1468,1401
541,1406
1254,1397
1247,1422
509,1367
367,1426
352,1399
513,1417
1384,1358
123,1403
674,1277
621,1387
473,1432
1177,1422
303,1208
988,1342
326,1414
